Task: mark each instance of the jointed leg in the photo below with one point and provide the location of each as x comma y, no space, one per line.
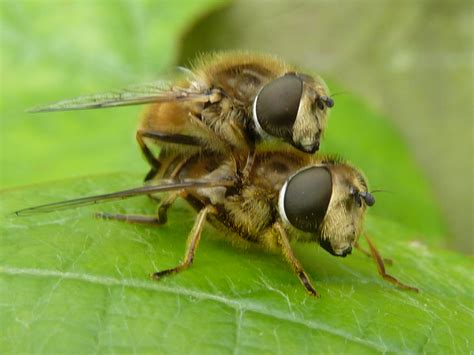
248,165
162,137
167,202
381,268
161,218
130,218
150,175
150,158
164,206
293,261
173,175
154,163
192,244
368,253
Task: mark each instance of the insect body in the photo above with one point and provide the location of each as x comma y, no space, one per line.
257,95
209,128
287,196
230,100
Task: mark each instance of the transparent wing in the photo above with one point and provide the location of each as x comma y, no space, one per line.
159,186
159,91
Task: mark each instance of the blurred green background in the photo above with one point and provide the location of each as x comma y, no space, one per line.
410,61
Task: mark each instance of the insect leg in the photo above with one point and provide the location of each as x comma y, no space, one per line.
150,158
381,268
249,164
192,244
170,200
130,218
164,138
368,254
164,206
155,163
293,261
161,218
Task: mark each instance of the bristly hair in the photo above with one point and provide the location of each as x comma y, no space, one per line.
336,159
332,159
363,180
228,59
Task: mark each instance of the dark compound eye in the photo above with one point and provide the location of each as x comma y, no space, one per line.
307,198
277,104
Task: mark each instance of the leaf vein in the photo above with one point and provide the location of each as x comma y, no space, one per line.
238,305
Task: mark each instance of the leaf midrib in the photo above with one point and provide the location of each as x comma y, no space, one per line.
238,305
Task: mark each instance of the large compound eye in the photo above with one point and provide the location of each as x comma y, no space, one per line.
305,198
276,105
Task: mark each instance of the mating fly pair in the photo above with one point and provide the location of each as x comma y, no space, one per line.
235,140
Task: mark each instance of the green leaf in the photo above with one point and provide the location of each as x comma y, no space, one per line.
71,283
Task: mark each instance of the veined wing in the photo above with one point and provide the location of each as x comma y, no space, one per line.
134,95
158,186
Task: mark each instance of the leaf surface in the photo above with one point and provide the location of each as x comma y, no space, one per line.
72,283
